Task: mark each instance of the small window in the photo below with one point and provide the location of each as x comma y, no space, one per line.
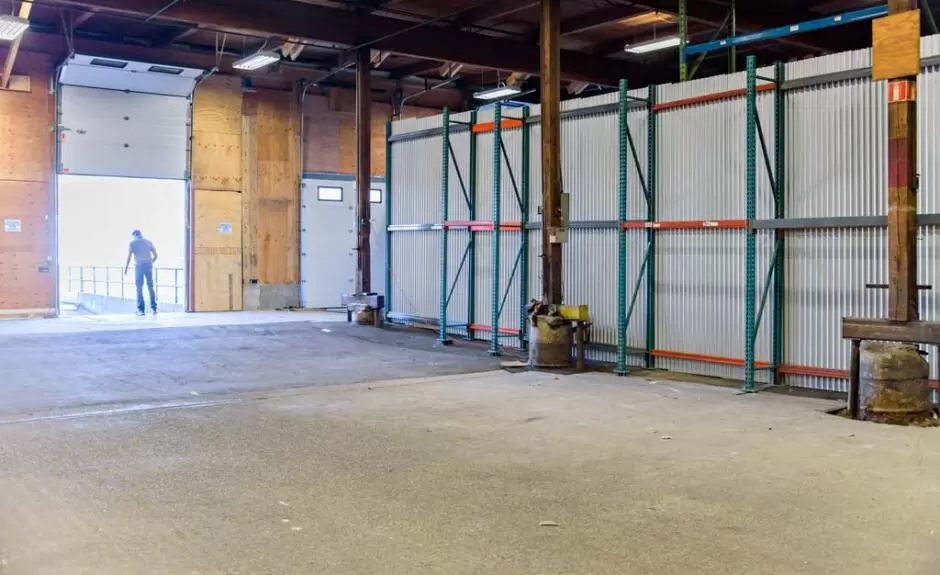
329,194
104,62
375,196
166,70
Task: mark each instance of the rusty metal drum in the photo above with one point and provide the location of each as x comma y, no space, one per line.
894,385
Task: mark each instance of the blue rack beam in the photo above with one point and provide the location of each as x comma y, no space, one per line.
791,29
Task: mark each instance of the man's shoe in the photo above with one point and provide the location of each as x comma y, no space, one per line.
140,313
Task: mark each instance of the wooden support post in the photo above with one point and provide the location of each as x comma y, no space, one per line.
363,169
854,381
552,232
902,164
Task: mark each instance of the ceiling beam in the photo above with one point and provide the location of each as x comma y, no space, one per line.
751,17
43,41
176,35
492,11
416,69
25,9
597,18
82,18
314,22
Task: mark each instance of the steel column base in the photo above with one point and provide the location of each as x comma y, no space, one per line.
366,309
550,345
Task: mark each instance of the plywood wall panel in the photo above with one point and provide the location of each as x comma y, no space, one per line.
275,198
217,115
26,278
249,198
217,105
217,161
27,158
27,123
217,247
330,132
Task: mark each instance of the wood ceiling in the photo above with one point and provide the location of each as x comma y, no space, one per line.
421,43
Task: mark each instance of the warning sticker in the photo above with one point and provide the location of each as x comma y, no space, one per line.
12,226
225,228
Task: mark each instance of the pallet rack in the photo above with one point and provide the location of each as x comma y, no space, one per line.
758,136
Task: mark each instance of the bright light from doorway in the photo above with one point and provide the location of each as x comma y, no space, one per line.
96,217
98,214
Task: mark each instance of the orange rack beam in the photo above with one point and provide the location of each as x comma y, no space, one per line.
479,226
506,124
708,98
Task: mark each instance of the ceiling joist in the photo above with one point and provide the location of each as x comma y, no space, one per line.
26,9
314,22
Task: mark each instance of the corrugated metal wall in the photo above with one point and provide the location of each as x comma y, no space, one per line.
835,167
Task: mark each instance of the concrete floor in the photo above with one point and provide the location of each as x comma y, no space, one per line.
299,456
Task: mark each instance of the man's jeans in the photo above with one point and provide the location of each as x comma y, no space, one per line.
144,272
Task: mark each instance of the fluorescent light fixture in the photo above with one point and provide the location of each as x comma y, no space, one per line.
653,46
257,61
12,27
497,93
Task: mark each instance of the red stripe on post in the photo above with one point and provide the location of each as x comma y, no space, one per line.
899,173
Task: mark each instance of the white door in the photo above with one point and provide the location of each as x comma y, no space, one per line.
121,133
328,240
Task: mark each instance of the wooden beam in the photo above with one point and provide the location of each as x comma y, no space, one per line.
551,152
597,18
82,18
25,9
315,22
902,171
363,169
418,68
492,11
751,17
177,35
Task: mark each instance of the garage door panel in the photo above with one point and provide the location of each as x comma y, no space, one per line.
125,134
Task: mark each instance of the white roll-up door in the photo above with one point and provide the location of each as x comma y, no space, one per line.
126,134
124,119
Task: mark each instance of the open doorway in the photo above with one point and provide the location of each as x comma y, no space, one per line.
96,215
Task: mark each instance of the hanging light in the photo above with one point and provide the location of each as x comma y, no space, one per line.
12,27
257,60
653,46
497,93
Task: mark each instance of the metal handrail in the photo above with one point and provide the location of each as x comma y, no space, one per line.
110,281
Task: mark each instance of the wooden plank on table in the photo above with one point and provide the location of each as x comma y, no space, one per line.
896,45
27,280
887,330
217,251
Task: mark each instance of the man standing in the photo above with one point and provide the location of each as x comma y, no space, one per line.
144,257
